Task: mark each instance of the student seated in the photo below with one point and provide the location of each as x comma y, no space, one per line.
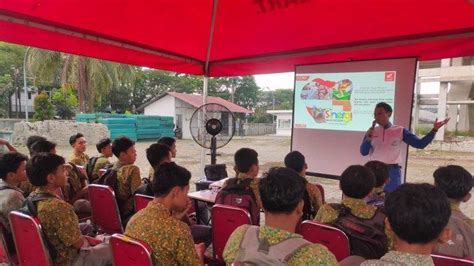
128,175
282,191
78,143
104,147
31,140
418,215
380,170
356,183
171,144
60,224
242,191
312,196
169,239
26,186
456,183
12,173
156,155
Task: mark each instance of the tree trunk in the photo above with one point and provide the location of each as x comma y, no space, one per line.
82,84
64,72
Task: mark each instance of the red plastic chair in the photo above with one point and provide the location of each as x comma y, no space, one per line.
334,239
6,256
321,189
141,201
29,240
225,219
127,251
443,260
105,212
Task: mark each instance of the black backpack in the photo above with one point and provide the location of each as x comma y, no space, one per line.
239,193
308,209
366,236
90,167
146,188
109,178
30,208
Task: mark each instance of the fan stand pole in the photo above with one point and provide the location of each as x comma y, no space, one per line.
213,150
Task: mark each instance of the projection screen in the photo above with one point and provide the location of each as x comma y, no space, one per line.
334,104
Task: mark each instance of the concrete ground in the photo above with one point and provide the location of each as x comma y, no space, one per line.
272,149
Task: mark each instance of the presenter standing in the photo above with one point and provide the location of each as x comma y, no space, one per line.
384,142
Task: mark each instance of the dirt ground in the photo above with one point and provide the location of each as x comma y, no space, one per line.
272,149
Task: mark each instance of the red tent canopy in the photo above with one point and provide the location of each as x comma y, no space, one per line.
239,37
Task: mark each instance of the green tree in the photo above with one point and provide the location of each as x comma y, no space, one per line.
64,102
11,76
44,109
246,93
92,78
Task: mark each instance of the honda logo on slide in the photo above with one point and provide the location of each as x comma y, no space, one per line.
390,76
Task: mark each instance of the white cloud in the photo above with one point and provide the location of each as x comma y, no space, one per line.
276,81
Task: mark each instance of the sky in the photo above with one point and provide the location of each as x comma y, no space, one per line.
286,81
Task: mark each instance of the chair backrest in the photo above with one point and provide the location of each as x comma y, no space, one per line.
141,201
5,256
443,260
105,212
225,219
321,189
334,239
127,251
30,244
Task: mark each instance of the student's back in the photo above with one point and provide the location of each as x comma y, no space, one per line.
276,243
371,241
128,177
297,252
127,174
241,192
169,239
61,227
456,182
462,236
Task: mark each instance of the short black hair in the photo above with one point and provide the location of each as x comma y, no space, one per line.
380,171
31,140
9,163
357,181
244,158
74,137
295,160
156,153
40,166
121,144
281,189
102,144
168,141
385,106
453,180
417,213
168,176
42,146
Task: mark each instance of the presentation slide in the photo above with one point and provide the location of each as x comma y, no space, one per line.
334,107
341,101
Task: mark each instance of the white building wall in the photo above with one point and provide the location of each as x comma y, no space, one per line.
163,107
283,124
186,111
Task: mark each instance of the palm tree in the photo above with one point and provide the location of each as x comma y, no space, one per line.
91,78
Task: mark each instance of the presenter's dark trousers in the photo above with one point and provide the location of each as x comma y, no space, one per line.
395,173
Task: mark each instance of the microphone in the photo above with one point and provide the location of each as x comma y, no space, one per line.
373,124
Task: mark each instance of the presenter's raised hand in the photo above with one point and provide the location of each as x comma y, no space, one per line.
370,133
438,124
